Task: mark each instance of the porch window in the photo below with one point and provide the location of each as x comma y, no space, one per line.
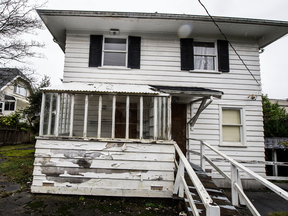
105,116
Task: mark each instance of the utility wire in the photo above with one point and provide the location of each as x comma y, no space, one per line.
228,42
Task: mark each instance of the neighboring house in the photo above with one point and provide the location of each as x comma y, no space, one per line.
133,85
282,103
14,90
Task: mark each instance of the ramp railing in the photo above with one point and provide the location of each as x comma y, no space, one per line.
180,186
237,194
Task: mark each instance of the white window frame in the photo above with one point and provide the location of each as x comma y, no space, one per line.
103,52
1,107
242,143
17,89
10,101
215,56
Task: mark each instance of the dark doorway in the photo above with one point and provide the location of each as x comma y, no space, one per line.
120,120
179,125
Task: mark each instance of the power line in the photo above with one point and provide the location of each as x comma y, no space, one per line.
228,41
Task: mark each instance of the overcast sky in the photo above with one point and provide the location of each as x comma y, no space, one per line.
274,60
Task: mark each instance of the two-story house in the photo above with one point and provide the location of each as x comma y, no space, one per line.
135,83
14,90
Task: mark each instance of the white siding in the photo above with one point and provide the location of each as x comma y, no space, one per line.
160,64
103,169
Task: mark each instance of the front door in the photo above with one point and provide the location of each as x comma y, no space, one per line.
179,125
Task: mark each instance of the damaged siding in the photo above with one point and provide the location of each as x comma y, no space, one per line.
103,168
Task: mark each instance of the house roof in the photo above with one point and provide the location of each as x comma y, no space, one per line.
7,75
60,21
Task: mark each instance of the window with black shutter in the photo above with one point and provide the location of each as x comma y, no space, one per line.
114,52
204,56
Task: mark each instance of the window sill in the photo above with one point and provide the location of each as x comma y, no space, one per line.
205,71
236,145
114,68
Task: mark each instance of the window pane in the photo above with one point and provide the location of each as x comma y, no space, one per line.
92,127
148,115
231,134
230,116
115,44
204,48
114,59
7,97
120,117
79,109
106,122
204,62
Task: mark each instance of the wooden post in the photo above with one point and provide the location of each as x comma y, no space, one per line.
155,118
86,116
113,116
56,128
127,117
72,115
42,114
50,114
202,154
160,118
99,116
274,159
141,118
234,179
164,118
169,120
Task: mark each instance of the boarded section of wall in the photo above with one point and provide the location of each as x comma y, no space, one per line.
103,168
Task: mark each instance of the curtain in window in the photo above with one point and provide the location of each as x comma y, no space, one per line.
204,56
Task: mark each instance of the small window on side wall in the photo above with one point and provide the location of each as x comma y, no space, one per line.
232,128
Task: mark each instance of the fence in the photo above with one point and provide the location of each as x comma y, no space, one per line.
10,136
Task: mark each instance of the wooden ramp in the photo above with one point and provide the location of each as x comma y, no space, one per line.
216,194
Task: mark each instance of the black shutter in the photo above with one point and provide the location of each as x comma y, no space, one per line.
95,53
134,52
187,54
223,55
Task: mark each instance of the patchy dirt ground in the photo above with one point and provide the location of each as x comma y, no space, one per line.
25,203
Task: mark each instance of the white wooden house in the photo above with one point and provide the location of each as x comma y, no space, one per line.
133,84
14,90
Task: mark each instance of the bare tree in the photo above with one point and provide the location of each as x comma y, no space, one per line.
17,18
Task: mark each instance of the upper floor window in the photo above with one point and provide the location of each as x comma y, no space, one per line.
117,52
204,56
19,89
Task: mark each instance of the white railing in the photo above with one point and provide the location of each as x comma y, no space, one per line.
235,180
181,186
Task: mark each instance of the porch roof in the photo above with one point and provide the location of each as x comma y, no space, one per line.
195,91
104,88
75,87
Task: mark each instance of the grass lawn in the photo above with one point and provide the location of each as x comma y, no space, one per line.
17,163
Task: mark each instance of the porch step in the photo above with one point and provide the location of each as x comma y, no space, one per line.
226,208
